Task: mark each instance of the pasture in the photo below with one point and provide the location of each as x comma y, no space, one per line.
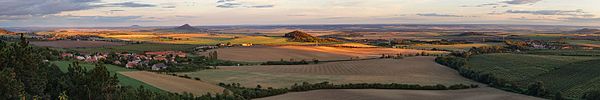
417,70
587,43
75,44
484,93
566,52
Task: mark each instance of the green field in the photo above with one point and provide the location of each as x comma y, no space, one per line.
454,47
544,36
572,75
139,48
123,80
566,52
577,42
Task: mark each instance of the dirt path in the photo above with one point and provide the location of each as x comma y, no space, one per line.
173,83
484,93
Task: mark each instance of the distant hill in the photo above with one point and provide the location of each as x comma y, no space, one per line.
299,36
470,34
586,31
135,26
186,28
4,31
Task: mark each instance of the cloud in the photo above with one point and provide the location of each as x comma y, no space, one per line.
577,12
520,2
169,7
42,7
75,21
439,15
237,4
25,8
580,19
126,4
505,3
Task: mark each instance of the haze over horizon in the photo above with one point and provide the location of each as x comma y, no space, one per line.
113,13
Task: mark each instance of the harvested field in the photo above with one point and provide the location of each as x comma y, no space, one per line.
173,83
359,52
484,93
260,54
591,45
417,70
276,53
74,44
353,45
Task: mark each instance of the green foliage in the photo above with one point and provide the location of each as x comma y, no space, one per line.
571,76
592,95
301,62
258,92
536,89
11,88
25,75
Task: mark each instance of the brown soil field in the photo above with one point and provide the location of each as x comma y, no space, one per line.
263,53
358,52
484,93
413,70
591,45
173,83
74,44
276,53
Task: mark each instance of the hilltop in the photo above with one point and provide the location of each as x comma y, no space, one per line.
586,31
299,36
186,28
4,31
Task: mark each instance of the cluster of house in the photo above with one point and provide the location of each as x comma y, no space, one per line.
234,45
220,45
154,60
556,45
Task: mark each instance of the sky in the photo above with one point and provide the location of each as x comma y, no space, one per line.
117,13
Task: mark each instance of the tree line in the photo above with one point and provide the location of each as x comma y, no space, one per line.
259,91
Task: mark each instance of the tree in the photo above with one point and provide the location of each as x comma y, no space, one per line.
592,95
10,87
536,89
558,96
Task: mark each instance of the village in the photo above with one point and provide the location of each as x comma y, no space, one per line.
153,60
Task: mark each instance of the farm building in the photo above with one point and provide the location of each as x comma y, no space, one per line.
159,66
165,53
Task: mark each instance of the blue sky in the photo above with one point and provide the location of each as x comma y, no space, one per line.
91,13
